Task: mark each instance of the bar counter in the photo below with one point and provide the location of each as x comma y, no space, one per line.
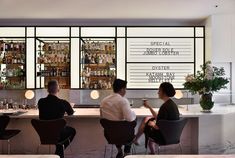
187,111
205,133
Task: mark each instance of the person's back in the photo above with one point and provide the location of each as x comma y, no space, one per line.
168,111
52,107
116,107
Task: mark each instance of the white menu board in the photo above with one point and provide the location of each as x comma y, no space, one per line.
160,50
151,75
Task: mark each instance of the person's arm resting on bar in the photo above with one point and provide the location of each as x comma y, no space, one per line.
128,114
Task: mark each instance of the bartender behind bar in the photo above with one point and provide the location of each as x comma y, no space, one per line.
51,108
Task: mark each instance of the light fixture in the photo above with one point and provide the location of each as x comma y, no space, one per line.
178,94
29,94
94,94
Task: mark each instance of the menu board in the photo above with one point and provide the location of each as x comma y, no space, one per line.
151,61
160,50
151,75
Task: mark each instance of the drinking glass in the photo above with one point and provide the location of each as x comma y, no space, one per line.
1,104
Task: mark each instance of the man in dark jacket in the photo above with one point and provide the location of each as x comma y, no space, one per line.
51,108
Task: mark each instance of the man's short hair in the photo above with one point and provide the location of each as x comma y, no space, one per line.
119,84
52,86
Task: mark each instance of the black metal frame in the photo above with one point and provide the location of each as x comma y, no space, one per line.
81,40
25,64
126,26
38,38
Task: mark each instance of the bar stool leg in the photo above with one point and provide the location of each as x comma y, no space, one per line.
146,151
133,149
181,152
49,149
38,148
2,147
158,149
105,148
70,147
112,151
8,146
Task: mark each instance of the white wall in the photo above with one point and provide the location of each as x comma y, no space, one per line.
233,55
220,46
222,37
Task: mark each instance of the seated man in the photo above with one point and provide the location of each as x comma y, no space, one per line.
51,108
116,107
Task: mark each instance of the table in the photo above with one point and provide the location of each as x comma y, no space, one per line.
181,156
29,156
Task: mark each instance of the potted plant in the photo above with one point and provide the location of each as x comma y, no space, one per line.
206,81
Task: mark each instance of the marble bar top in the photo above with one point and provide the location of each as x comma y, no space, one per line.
189,111
29,156
181,156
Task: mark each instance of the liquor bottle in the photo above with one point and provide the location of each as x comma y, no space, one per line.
6,47
68,59
97,59
54,72
11,46
4,59
1,46
14,60
114,60
110,46
106,47
0,57
51,72
17,47
101,59
22,59
83,84
87,61
22,47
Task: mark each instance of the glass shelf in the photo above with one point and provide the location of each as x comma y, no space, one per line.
98,63
53,62
12,63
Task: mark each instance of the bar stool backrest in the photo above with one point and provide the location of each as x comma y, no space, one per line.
48,130
118,132
4,121
172,130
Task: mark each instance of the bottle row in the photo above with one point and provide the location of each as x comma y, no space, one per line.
95,58
10,84
12,46
53,58
12,58
88,72
54,72
100,84
54,47
99,45
12,72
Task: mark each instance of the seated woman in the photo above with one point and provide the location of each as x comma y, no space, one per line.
167,111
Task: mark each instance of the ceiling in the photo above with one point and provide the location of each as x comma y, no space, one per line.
164,10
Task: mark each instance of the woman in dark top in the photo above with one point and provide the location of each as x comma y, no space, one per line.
167,111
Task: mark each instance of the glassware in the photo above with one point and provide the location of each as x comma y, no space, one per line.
1,105
15,106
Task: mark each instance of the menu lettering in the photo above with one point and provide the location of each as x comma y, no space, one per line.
160,50
152,75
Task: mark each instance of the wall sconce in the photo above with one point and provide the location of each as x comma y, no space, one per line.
29,94
178,94
94,94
